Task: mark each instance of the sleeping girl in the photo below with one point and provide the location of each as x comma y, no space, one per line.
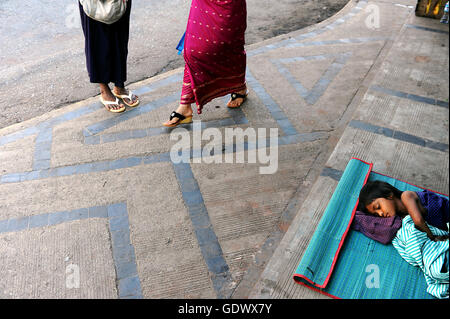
425,207
417,225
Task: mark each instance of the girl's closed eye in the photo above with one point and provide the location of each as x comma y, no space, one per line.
376,206
378,211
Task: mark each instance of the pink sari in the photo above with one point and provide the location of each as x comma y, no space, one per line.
214,50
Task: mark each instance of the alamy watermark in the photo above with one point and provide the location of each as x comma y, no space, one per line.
372,21
72,276
230,147
373,277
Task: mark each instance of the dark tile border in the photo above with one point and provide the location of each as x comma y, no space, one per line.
313,95
409,96
332,173
418,27
206,237
273,108
124,258
398,135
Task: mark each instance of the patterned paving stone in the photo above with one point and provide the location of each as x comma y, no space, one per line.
149,221
400,125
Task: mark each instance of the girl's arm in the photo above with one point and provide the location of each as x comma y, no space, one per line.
411,202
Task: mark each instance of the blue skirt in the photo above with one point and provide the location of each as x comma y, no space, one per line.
106,48
437,209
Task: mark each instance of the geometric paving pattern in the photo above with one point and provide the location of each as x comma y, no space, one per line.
400,123
100,134
311,96
123,251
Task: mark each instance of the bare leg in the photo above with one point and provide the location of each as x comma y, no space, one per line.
237,102
123,91
108,96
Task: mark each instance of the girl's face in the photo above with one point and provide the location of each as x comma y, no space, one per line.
383,207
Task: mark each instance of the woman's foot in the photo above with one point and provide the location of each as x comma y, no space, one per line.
237,101
127,97
183,109
109,100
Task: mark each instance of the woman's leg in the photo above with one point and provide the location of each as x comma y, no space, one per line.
238,101
119,89
214,50
106,49
108,96
187,98
183,109
119,38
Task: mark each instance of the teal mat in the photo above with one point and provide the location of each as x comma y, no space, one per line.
343,263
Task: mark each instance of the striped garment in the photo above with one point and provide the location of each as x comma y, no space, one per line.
418,250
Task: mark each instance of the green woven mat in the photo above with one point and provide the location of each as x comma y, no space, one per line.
343,263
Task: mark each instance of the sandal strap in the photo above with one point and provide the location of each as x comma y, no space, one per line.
110,102
178,115
126,96
129,96
235,96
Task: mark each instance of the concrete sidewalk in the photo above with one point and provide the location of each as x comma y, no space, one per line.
401,124
92,206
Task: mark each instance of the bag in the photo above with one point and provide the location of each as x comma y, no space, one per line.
105,11
180,46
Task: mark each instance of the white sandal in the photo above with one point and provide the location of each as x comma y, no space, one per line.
116,102
128,96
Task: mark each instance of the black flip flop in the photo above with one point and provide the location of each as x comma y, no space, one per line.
182,119
235,96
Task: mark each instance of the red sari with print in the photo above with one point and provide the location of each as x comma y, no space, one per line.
214,50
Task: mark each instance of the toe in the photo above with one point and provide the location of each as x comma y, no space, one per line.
235,103
171,122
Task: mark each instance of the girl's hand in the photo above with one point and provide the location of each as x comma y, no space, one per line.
440,238
437,238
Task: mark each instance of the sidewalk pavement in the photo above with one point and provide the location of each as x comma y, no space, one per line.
92,206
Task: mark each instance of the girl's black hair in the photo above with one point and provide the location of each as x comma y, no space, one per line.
374,190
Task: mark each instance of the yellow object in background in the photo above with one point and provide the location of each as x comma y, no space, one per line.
436,9
430,8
